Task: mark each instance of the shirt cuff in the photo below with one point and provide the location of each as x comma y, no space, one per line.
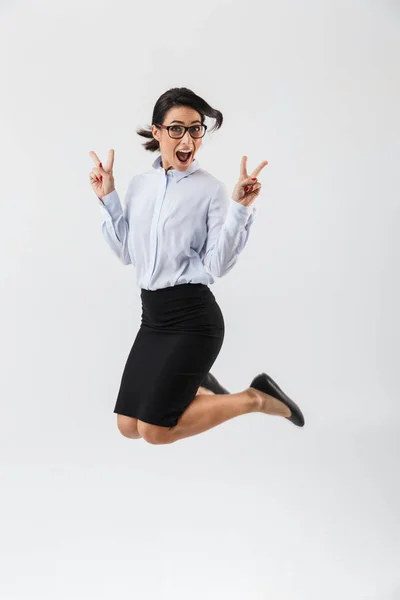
239,214
111,204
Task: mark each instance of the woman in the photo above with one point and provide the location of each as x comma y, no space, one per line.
179,227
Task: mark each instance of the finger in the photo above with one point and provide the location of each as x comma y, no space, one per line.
110,161
97,172
251,187
243,167
249,182
259,168
95,157
95,175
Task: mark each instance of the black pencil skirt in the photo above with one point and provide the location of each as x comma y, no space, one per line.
181,333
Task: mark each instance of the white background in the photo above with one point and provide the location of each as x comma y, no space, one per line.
255,508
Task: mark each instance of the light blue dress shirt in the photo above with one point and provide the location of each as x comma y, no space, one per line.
176,227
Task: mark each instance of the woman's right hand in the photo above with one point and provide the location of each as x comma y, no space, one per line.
101,178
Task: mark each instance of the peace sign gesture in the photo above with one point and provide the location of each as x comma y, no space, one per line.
101,178
247,188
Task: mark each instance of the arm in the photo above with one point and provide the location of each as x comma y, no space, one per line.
115,225
228,227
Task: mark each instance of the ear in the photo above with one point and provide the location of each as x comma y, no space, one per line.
156,132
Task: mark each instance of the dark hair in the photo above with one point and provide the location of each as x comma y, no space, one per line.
178,97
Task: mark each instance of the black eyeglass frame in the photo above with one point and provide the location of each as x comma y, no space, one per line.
167,127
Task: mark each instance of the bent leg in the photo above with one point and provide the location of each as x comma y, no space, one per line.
202,414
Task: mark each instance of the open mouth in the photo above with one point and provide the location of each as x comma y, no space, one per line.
184,157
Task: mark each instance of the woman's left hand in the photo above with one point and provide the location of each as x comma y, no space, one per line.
248,187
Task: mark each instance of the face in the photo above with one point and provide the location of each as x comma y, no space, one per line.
169,146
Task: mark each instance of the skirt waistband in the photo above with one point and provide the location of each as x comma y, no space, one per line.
183,289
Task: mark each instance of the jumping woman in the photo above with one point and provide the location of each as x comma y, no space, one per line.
180,228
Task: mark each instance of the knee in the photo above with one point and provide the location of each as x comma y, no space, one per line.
154,434
128,427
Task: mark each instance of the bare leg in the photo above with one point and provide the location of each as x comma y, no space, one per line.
204,412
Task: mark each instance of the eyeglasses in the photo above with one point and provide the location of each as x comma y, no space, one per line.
178,131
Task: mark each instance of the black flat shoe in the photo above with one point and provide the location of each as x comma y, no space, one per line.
211,383
264,383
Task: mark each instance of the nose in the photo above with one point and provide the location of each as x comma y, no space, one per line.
187,138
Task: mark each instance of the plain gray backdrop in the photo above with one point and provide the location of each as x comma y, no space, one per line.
256,508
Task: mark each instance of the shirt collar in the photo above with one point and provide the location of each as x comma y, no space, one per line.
177,175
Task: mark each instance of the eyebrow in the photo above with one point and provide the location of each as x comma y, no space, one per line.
176,121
